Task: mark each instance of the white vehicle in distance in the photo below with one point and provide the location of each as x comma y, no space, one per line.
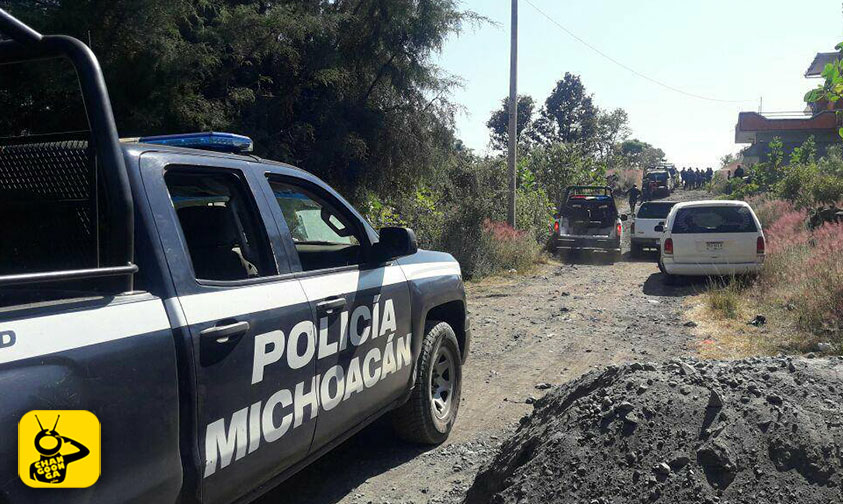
711,238
643,229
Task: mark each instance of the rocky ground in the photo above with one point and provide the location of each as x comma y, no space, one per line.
530,332
751,431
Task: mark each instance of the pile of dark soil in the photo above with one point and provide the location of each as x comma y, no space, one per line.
752,431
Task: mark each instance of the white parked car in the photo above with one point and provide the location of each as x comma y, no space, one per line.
711,238
643,229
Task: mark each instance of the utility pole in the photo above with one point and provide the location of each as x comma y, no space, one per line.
513,112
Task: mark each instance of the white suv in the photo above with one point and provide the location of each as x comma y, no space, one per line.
643,229
711,238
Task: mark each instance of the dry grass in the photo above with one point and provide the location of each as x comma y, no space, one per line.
719,337
502,249
723,300
626,178
799,291
723,338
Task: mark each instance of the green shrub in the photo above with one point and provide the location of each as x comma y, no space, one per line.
719,186
533,212
793,186
724,296
723,301
450,214
502,248
825,189
452,211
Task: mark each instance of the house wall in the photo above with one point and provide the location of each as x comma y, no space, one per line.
760,150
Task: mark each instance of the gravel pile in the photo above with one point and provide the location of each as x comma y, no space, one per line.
753,431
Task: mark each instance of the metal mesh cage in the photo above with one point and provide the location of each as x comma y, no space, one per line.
53,171
48,199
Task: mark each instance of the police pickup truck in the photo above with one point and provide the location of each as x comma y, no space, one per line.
587,220
226,319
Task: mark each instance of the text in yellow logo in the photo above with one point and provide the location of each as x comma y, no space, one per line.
59,449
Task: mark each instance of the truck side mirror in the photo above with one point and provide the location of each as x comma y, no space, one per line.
659,227
394,242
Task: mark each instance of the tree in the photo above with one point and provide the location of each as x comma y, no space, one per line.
641,155
612,127
559,165
831,90
568,115
770,172
805,153
347,89
498,123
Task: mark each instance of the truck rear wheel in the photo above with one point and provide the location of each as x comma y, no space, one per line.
429,415
667,278
636,250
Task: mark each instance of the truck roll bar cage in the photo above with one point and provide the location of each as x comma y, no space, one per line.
586,190
29,45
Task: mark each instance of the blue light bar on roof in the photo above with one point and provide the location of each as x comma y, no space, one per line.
220,142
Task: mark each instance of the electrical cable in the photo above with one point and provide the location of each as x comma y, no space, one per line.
628,68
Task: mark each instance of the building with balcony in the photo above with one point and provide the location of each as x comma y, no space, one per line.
819,120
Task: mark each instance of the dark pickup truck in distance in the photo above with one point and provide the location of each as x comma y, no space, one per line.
656,184
227,319
587,220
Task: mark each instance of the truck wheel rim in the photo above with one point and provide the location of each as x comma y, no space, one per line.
442,383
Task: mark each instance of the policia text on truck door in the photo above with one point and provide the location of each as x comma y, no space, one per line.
225,318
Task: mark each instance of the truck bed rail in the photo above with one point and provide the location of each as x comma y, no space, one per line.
116,254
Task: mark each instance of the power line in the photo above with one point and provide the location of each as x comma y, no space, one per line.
628,68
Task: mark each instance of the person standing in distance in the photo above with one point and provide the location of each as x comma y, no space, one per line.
634,194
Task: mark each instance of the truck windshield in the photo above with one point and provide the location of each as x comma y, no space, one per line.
654,210
715,219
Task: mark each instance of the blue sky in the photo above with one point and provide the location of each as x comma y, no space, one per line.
725,49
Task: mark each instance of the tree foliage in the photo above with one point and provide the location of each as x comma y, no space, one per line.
498,123
569,114
567,117
831,90
807,182
727,159
344,88
612,129
640,155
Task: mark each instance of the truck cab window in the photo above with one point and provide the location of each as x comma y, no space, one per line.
221,226
324,236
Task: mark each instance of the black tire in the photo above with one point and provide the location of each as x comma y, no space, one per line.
667,278
419,419
635,250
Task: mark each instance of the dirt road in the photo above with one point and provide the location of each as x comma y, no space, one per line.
529,332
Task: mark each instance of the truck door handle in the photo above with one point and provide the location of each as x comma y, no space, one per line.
330,305
215,343
223,334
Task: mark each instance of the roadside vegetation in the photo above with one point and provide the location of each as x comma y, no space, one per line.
346,90
798,200
800,288
566,141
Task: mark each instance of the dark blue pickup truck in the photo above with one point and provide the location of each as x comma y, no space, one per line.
226,319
